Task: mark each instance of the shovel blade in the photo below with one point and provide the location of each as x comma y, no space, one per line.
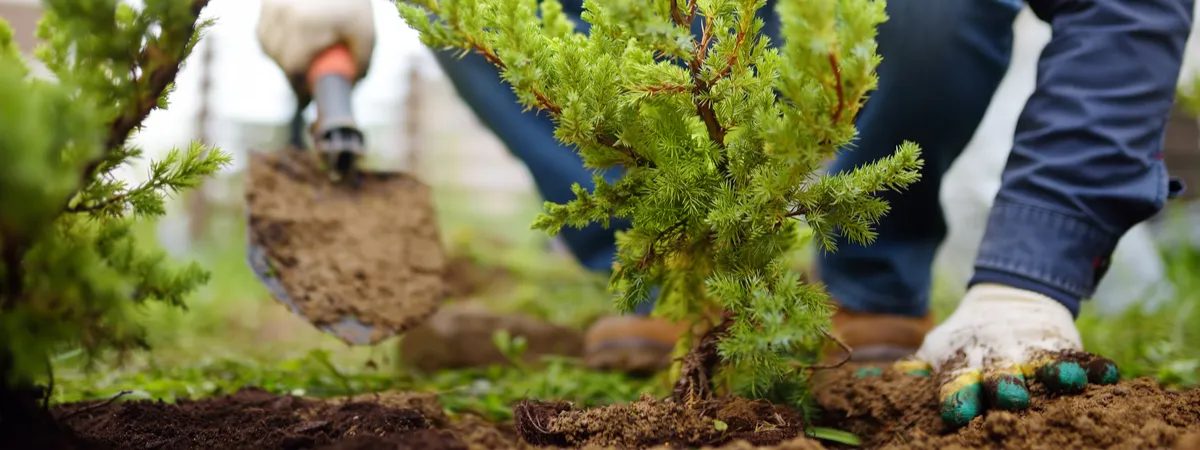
362,262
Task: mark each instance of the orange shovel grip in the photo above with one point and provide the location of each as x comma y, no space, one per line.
335,60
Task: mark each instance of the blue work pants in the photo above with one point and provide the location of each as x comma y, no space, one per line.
1086,164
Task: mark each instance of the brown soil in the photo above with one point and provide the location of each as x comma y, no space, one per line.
887,411
254,419
370,253
895,410
460,336
652,422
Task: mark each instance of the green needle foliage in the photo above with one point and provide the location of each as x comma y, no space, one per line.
71,273
719,136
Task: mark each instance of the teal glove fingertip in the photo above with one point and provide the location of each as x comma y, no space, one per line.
1102,371
1008,392
962,405
867,372
1063,376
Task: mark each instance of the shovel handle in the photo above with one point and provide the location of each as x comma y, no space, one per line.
335,60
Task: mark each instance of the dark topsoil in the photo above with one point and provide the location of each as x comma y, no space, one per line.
887,411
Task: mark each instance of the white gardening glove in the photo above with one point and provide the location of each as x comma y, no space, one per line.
997,338
294,32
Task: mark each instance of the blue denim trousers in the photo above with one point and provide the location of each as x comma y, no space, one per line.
1069,190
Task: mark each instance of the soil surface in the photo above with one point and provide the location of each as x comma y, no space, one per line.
651,422
895,410
370,252
887,411
255,419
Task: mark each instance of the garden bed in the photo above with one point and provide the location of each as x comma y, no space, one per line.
886,411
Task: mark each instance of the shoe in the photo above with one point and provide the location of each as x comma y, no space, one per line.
631,344
876,338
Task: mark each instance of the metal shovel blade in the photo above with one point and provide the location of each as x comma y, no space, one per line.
362,262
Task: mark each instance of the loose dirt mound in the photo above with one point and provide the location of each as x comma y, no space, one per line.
895,410
651,422
372,254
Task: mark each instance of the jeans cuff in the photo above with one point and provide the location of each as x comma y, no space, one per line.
852,294
1048,252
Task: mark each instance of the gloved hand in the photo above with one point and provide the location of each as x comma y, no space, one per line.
294,32
997,339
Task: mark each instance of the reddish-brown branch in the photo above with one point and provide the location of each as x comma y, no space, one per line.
652,253
611,142
157,81
846,353
543,101
704,108
837,79
679,17
799,211
737,47
677,14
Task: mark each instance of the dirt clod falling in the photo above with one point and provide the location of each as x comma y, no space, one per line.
372,253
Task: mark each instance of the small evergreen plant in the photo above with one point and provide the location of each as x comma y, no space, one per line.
719,137
71,271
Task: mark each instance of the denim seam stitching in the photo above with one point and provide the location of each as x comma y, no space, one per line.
1037,271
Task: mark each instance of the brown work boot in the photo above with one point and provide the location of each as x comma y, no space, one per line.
876,337
872,337
635,345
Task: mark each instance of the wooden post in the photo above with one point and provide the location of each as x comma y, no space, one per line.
198,205
1181,150
415,141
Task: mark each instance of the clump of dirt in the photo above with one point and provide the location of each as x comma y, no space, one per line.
651,422
460,335
895,410
370,252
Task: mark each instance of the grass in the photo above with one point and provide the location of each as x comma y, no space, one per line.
234,335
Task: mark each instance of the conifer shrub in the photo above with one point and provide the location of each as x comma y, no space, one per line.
72,274
719,138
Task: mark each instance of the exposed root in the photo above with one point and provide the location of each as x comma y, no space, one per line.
533,422
695,376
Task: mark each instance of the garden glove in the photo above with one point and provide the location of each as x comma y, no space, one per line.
294,32
998,338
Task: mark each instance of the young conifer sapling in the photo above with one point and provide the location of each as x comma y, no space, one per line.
719,136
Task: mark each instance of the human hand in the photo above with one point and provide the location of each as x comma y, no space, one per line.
294,32
998,338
